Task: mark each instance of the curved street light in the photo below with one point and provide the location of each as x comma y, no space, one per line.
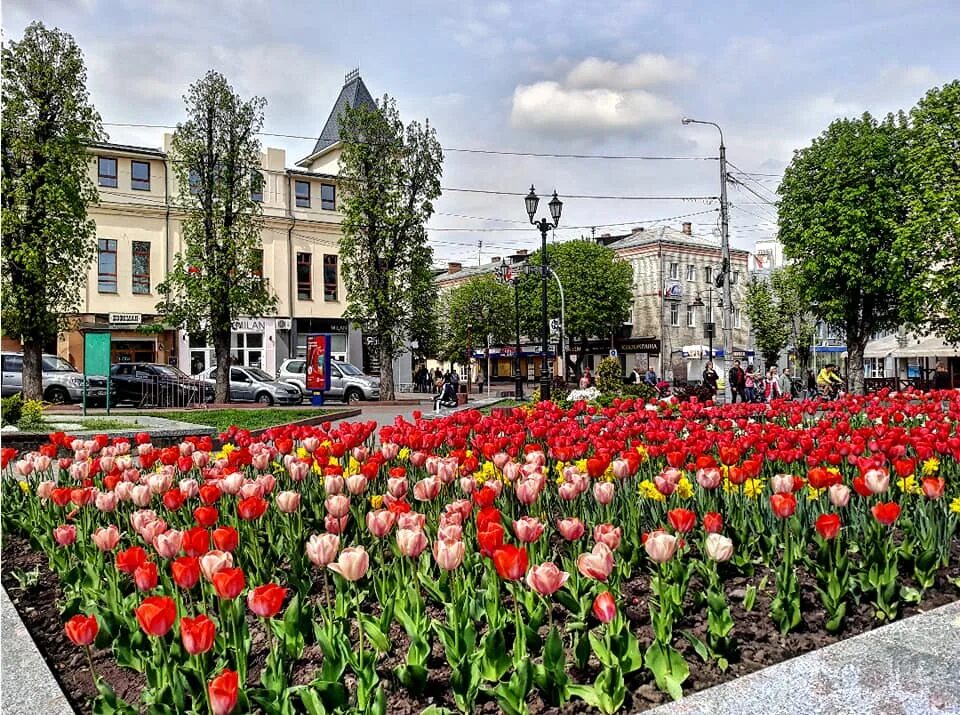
532,201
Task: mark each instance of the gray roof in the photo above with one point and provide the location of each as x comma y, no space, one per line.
353,94
127,148
467,272
666,234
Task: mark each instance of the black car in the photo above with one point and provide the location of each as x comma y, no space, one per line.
144,383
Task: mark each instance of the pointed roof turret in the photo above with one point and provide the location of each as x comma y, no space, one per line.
353,94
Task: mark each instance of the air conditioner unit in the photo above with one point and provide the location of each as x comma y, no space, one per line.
284,323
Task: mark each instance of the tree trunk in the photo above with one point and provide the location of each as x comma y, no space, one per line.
387,389
32,370
855,381
221,349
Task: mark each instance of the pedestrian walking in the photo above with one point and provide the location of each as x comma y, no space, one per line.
786,383
738,382
750,384
811,385
710,378
771,385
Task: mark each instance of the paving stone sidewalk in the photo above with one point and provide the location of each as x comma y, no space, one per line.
28,686
911,667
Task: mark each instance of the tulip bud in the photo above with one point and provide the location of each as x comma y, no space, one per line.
719,547
604,607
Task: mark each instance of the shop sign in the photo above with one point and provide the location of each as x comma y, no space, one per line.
318,362
125,318
674,291
250,325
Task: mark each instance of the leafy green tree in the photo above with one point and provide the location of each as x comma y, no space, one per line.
767,320
218,276
795,312
840,214
389,178
48,241
472,311
931,190
597,286
424,298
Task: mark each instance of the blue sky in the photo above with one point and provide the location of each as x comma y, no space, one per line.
550,77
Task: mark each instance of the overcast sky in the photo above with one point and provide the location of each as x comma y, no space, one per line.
550,77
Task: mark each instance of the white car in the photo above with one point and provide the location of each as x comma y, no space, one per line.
347,382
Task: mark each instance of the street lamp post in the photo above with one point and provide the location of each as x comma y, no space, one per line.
724,248
517,377
543,225
709,326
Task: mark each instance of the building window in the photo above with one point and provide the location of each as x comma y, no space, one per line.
675,314
256,187
874,367
708,314
691,272
734,277
708,274
107,266
258,262
107,172
141,267
736,317
328,197
247,349
691,316
140,175
330,287
674,271
303,194
304,284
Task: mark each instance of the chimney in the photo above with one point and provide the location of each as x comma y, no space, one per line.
637,229
687,227
453,267
495,259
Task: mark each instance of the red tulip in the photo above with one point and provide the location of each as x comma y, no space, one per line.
510,562
206,516
783,505
82,630
223,691
604,607
712,522
251,508
228,582
145,577
225,538
197,634
196,541
490,539
266,600
185,571
828,525
682,520
886,513
156,615
209,493
129,560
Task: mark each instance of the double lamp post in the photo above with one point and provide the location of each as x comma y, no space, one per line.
532,201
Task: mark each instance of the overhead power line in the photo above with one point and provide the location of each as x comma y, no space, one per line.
587,196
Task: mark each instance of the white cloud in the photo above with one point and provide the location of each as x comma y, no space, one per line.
553,108
643,71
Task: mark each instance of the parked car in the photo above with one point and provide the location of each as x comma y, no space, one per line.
347,382
145,383
251,384
62,382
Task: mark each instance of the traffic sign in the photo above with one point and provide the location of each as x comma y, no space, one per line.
613,353
555,325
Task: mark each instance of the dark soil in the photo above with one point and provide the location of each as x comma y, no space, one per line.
759,644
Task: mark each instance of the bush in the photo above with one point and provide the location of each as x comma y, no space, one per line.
31,416
609,378
643,391
11,409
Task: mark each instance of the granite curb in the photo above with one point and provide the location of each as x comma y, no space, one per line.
909,668
28,686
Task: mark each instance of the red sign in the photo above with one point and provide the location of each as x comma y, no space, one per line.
318,362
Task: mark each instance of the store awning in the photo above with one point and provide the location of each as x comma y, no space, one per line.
913,347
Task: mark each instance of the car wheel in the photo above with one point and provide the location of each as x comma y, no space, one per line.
57,395
264,398
353,396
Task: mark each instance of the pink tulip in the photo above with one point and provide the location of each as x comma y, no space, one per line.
159,482
839,495
78,470
168,543
411,542
107,464
311,443
337,505
389,450
288,502
450,532
106,538
511,470
546,579
527,491
140,495
250,489
106,501
596,564
781,483
461,506
322,549
877,480
215,561
427,489
447,470
607,534
267,482
335,525
200,459
124,491
189,487
569,491
141,518
603,492
528,529
121,448
45,488
380,522
24,467
621,468
499,459
356,484
333,484
570,529
352,563
664,485
418,459
431,465
360,453
448,553
232,483
468,485
660,546
412,520
718,547
150,531
536,458
186,449
260,461
397,487
299,471
65,535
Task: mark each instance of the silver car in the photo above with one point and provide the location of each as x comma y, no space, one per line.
251,384
347,382
62,382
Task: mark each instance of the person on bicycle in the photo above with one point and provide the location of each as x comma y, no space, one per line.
828,381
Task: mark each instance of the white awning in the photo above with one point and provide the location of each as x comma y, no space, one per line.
915,347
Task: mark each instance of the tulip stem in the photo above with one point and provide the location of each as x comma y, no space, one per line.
93,671
359,634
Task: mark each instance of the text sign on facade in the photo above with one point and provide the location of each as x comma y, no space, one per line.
125,318
318,362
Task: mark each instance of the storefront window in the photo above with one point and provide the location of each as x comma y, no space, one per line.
248,349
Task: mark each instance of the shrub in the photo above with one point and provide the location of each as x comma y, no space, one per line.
11,409
609,377
31,416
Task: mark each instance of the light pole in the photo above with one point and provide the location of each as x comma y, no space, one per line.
708,326
724,249
517,377
556,206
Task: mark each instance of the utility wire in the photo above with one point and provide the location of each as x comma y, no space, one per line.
587,196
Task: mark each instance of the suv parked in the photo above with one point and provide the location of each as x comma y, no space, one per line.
251,384
347,382
144,383
62,382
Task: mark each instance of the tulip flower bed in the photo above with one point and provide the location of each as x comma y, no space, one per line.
531,560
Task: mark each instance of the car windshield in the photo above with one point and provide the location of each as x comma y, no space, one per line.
168,371
259,374
348,369
52,363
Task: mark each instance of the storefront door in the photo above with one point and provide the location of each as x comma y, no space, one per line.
133,351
